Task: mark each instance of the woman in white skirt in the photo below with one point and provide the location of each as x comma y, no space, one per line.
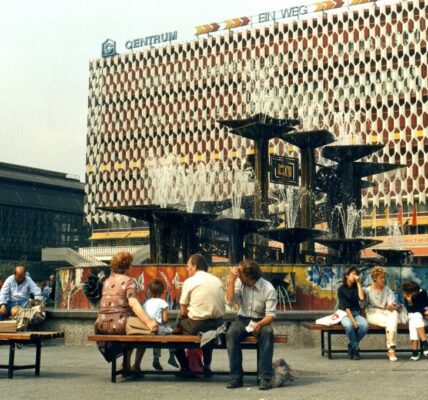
381,309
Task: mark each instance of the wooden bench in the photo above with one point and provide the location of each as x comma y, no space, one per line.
339,330
171,342
13,339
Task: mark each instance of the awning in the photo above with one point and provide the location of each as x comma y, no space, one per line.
119,235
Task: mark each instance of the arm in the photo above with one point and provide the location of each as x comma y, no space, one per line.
271,303
35,290
390,300
183,311
230,291
165,317
265,321
4,296
361,293
141,314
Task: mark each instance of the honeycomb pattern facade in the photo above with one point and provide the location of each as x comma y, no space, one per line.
167,100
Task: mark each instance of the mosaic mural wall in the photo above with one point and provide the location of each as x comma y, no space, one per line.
371,62
299,288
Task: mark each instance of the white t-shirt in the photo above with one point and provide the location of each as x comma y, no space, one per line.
154,307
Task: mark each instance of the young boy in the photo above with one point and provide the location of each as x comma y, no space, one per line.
157,309
416,302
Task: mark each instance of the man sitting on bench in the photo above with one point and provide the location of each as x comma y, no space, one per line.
16,291
257,298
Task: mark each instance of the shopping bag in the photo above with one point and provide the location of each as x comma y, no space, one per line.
332,319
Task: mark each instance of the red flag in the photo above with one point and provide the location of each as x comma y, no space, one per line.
414,216
400,216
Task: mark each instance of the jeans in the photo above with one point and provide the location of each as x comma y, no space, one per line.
355,336
235,334
10,305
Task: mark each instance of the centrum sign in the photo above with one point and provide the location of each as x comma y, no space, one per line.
151,40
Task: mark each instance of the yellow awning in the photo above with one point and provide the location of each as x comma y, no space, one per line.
382,222
120,235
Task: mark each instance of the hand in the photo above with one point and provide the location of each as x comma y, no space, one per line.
153,325
390,307
358,279
356,327
256,328
234,274
3,309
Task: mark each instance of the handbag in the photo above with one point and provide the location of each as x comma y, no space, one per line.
134,326
332,319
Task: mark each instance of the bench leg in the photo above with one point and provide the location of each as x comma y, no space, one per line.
38,357
322,343
11,360
113,370
329,345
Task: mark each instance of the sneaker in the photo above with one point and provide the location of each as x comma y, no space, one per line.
264,384
157,365
415,357
356,356
235,383
350,352
426,352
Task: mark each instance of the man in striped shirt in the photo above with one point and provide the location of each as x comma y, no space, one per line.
257,298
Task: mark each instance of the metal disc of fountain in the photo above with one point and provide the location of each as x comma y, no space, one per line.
348,249
309,139
260,126
349,153
363,169
294,235
236,229
396,257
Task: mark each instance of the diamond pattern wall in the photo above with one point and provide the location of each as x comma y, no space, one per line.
166,100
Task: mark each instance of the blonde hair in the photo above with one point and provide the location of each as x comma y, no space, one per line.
121,262
377,271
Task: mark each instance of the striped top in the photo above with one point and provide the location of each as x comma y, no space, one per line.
256,301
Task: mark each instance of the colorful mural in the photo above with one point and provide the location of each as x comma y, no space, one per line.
299,287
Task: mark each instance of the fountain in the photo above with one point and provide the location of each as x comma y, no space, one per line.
394,254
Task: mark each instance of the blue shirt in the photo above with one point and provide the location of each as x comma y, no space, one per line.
12,291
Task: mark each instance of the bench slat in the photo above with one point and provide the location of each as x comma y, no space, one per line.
28,336
167,338
339,327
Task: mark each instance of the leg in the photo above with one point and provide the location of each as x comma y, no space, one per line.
416,323
234,335
363,327
265,339
350,332
156,363
139,354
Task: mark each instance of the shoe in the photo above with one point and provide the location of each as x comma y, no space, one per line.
415,358
426,352
264,384
235,383
356,354
172,361
156,365
350,352
208,373
185,374
391,355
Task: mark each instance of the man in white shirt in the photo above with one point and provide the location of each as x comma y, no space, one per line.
202,307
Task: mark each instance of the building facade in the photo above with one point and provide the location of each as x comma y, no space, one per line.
38,209
363,71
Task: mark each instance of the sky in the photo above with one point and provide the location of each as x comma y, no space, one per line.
46,46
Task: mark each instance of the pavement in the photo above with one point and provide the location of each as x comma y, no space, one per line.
81,373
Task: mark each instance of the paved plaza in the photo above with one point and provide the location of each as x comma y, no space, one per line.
81,373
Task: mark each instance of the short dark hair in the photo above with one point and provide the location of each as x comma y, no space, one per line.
409,287
349,270
251,270
156,287
199,261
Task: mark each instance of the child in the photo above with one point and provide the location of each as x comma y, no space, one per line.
157,309
416,302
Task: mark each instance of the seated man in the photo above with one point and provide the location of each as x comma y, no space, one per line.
257,298
16,292
202,307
